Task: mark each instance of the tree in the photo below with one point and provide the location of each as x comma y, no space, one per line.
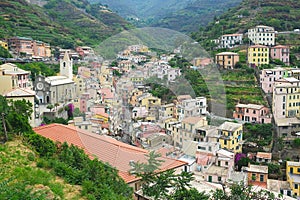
4,110
240,191
296,142
50,107
164,185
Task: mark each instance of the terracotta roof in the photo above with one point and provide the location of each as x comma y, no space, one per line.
106,149
264,155
280,47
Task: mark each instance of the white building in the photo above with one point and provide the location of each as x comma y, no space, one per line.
192,108
230,40
264,35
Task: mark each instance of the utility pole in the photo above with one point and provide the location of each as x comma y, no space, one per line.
4,127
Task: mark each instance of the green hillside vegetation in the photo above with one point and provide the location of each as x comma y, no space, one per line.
282,15
195,15
59,22
46,170
184,16
20,178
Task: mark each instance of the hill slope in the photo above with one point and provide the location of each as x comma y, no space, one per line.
59,22
281,14
20,178
196,14
185,15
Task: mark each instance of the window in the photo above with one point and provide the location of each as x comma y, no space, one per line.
296,186
253,177
261,178
226,163
219,178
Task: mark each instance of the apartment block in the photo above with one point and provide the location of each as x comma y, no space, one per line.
252,113
269,76
230,40
231,135
227,60
281,53
191,108
293,177
258,55
286,102
263,35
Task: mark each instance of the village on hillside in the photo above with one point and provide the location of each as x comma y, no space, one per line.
117,110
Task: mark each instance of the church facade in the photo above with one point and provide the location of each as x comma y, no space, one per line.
56,89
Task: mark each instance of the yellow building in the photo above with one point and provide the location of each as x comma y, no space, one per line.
4,45
134,97
151,102
293,177
258,55
80,86
231,135
189,126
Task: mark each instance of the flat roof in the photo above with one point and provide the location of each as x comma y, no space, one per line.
257,168
252,106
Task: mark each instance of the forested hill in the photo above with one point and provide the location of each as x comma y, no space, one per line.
283,15
195,15
184,15
59,22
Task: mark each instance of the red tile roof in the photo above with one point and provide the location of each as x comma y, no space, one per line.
106,149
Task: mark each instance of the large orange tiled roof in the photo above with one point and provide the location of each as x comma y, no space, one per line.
106,149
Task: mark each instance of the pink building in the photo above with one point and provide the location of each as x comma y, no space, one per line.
84,51
281,53
83,102
21,45
30,47
139,112
268,78
252,113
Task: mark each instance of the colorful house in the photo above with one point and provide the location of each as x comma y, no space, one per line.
258,55
231,135
281,53
257,175
4,44
252,113
227,60
293,176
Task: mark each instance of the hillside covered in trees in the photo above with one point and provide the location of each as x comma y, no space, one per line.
59,22
280,14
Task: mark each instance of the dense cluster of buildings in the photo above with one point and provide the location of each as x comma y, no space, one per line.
115,101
